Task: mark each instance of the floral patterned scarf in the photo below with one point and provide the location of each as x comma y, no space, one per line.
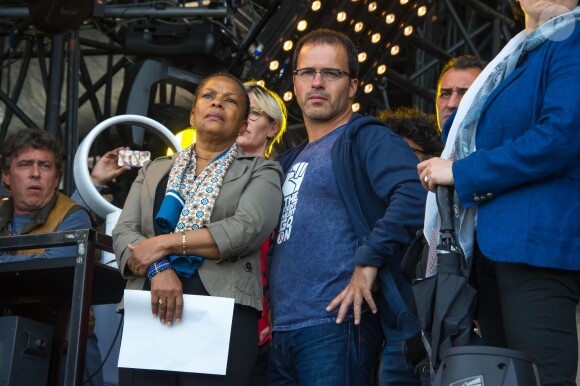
190,199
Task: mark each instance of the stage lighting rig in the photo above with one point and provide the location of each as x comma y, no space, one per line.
57,16
180,43
194,35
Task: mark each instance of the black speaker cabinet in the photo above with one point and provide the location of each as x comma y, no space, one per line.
25,347
484,365
57,16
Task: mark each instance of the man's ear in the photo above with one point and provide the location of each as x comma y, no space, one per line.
352,88
6,181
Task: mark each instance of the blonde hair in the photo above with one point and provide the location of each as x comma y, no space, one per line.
273,106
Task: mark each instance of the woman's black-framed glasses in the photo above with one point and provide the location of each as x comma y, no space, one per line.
327,74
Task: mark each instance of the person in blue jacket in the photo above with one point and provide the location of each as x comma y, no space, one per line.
352,204
512,156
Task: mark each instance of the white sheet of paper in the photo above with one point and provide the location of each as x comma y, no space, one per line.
198,344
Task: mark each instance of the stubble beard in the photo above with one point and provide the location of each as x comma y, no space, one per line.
319,114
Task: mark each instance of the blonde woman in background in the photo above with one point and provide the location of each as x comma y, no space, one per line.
266,125
266,121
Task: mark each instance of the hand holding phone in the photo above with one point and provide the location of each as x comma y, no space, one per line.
133,158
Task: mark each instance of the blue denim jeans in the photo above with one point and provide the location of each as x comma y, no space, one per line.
395,367
326,354
92,363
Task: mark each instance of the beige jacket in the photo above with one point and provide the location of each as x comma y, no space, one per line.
244,214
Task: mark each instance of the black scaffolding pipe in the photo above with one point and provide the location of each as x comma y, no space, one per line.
54,93
133,12
72,101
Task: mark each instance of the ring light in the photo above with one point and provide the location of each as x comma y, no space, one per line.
85,186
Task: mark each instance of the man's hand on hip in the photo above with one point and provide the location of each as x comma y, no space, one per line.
358,289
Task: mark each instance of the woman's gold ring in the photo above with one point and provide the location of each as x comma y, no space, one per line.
160,302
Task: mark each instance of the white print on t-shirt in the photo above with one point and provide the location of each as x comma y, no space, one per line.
290,190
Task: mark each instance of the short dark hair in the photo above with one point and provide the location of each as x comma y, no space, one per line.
417,126
327,36
516,9
461,63
230,76
35,138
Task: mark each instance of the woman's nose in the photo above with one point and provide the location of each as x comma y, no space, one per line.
217,102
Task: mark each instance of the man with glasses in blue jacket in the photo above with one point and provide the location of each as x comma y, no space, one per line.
352,204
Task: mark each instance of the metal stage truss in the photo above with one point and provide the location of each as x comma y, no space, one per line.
69,64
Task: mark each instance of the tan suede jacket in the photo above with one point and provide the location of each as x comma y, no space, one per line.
244,214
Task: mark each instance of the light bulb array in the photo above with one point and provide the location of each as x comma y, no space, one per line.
376,28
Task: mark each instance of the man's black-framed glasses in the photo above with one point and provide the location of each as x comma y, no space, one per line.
327,74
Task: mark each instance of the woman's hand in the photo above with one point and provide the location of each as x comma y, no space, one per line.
144,254
167,297
263,334
434,172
